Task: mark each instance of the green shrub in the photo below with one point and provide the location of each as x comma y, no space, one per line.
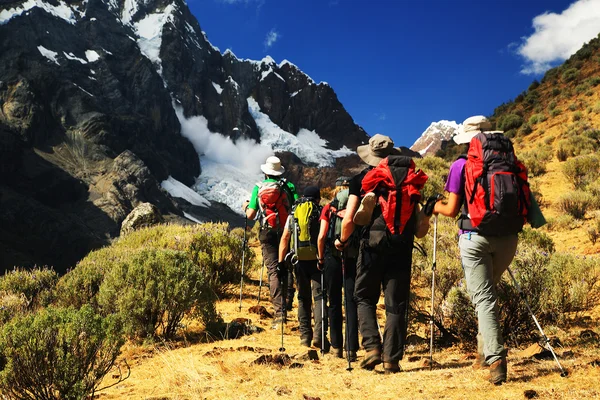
582,170
525,129
555,91
536,118
593,230
532,98
571,282
154,289
538,239
570,75
461,316
581,88
437,169
35,285
577,115
575,203
593,81
548,140
556,112
552,105
58,354
573,107
564,222
534,85
510,121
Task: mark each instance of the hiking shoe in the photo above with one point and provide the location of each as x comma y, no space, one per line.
317,344
391,367
498,371
352,356
372,359
479,362
365,211
305,342
338,352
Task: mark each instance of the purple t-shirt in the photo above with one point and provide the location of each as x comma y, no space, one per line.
456,181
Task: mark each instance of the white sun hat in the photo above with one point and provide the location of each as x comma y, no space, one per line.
471,127
272,166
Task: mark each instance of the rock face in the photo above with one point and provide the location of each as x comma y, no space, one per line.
144,215
91,97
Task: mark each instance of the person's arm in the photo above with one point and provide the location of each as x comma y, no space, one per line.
251,207
347,223
452,206
284,243
321,239
422,223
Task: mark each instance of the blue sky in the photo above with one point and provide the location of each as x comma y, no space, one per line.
398,65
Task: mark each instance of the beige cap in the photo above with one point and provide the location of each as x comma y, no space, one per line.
471,127
272,166
379,147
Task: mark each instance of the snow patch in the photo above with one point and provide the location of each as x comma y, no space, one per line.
130,7
83,90
178,189
72,56
91,55
93,19
106,51
307,145
191,218
61,10
49,54
149,31
217,87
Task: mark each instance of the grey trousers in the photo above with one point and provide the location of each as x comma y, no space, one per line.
484,260
308,279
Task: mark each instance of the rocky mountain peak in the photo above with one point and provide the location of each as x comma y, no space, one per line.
431,139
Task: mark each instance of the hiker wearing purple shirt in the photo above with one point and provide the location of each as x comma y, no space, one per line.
484,260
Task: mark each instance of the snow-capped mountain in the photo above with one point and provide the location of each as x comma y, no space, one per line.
431,139
104,101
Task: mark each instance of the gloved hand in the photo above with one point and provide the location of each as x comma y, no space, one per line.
430,204
281,268
321,264
245,205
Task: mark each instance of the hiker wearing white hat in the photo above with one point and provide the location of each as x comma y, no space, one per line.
271,202
488,226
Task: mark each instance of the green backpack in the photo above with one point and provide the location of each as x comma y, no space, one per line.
305,229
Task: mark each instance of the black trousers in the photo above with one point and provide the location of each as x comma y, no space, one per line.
334,280
390,271
269,241
308,279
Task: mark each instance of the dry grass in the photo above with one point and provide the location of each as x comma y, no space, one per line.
223,369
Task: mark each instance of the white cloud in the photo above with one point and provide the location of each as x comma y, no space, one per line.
558,36
381,116
271,38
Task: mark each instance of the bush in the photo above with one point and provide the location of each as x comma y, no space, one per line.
575,203
535,118
154,289
564,222
571,283
593,231
36,285
525,129
570,75
510,121
461,315
582,170
555,112
573,107
534,85
593,81
555,91
577,115
58,354
437,170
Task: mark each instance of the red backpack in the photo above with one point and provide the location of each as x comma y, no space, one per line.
397,186
274,205
497,195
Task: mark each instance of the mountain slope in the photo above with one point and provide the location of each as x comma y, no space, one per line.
102,100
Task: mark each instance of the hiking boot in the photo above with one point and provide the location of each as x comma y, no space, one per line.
479,362
305,341
498,371
352,356
317,344
338,352
391,367
365,211
372,359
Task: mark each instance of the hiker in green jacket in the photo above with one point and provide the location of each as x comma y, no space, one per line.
270,203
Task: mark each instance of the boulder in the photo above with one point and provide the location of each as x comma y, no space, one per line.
144,215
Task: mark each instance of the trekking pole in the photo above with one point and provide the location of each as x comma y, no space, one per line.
283,278
347,341
323,313
262,270
563,373
243,259
433,266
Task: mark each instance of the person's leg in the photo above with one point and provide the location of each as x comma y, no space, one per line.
366,295
269,241
304,303
350,307
396,288
333,281
476,256
320,302
289,299
503,252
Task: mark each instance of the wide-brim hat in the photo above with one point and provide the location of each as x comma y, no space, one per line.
272,166
471,127
379,147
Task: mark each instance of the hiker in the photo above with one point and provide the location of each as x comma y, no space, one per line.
271,202
486,250
388,212
340,272
300,235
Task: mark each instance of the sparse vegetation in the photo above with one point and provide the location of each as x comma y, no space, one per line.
575,203
570,75
582,170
